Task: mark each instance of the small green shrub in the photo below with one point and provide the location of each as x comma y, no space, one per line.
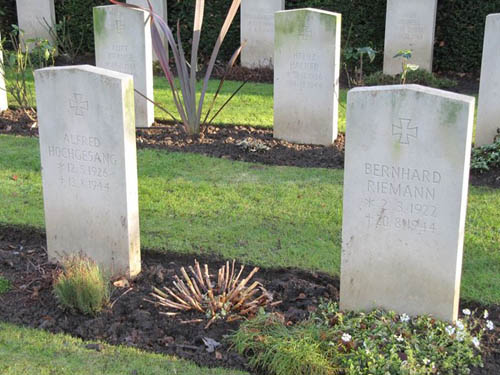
82,286
420,77
332,341
486,157
4,285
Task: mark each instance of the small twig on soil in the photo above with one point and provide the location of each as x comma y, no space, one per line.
125,292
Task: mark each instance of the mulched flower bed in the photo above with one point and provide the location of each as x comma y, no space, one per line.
133,322
234,143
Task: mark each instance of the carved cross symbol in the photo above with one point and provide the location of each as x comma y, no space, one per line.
78,104
405,131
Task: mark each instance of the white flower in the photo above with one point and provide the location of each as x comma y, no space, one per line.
490,325
346,337
450,330
475,341
427,361
486,314
399,338
460,325
466,312
404,318
460,336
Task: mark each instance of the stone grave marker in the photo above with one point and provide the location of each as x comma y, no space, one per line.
35,17
488,115
3,94
405,199
306,76
257,30
410,25
160,8
123,44
89,166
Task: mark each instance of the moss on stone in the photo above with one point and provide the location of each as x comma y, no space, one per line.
99,21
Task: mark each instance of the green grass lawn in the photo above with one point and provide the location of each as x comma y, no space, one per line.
253,105
266,215
26,351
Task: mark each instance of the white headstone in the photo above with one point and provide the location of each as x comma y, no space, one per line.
488,115
306,76
3,94
89,166
257,31
410,25
35,17
405,199
123,44
160,8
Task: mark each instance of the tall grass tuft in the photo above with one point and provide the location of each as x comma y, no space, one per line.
82,286
271,346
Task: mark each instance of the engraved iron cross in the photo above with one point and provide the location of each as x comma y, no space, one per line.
78,105
405,131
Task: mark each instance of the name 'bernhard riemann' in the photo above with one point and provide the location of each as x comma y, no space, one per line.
410,182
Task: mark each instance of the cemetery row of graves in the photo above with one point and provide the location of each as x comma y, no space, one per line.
379,259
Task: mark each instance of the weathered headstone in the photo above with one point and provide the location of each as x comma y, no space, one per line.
410,25
306,76
488,115
257,31
160,8
35,17
89,167
3,94
123,43
405,198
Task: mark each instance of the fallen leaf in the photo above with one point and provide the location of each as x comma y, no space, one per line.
121,283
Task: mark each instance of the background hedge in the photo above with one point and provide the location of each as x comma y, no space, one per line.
459,32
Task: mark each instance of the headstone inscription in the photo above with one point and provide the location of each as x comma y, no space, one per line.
160,8
306,76
89,167
123,43
488,115
257,32
34,18
405,198
410,25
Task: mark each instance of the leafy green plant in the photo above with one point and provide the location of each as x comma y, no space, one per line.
189,108
420,77
486,157
82,286
4,285
362,343
356,56
18,62
405,55
64,44
228,298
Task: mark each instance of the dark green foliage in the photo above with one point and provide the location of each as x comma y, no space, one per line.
459,31
486,157
419,77
79,20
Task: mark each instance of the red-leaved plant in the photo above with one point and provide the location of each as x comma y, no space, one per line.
185,100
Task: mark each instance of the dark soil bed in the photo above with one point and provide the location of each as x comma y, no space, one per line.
258,146
133,322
